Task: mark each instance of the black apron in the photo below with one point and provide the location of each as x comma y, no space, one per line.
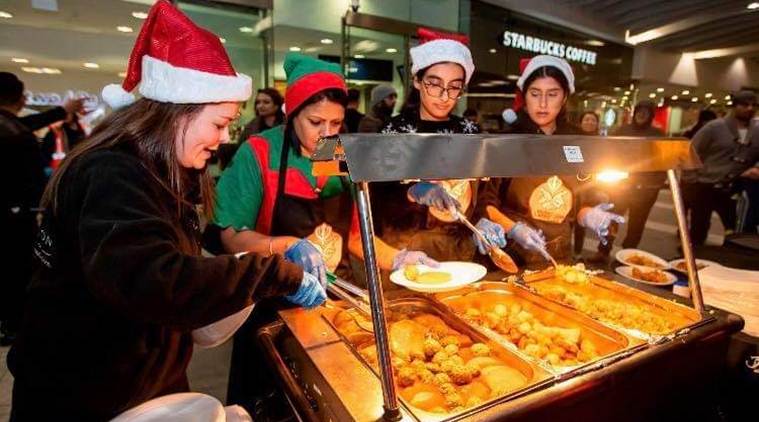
252,384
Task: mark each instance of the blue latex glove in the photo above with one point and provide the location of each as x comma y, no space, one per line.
528,238
310,293
305,254
599,218
406,257
493,232
433,195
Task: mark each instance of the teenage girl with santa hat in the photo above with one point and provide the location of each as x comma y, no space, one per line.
122,284
418,224
538,212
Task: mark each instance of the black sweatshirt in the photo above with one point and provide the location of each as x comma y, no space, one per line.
109,316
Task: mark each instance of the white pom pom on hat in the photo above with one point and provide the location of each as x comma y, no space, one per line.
116,97
176,61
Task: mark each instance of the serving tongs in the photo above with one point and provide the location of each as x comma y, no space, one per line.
341,289
500,258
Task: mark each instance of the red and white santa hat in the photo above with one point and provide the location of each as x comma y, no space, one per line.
526,68
176,61
438,47
548,61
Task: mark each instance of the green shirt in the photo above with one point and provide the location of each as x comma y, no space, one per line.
247,188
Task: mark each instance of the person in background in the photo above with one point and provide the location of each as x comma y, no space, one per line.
352,115
729,150
70,133
382,103
121,283
589,123
472,115
637,194
537,213
704,116
22,180
269,113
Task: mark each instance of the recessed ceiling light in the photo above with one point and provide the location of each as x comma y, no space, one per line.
685,92
5,15
90,65
753,6
223,40
674,97
694,99
617,89
659,89
246,29
713,101
729,103
625,98
596,43
326,41
391,50
493,51
358,56
294,48
31,69
614,101
51,71
627,92
140,15
727,98
122,74
19,60
708,95
652,95
122,28
512,77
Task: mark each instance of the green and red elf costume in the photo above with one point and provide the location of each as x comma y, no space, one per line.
269,188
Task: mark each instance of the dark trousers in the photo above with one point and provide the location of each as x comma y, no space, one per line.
19,230
637,203
701,199
752,215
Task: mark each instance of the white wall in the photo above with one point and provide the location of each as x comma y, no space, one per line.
728,73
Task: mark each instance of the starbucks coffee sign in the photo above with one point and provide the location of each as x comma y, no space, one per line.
552,48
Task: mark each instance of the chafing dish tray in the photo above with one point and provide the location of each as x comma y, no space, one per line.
443,368
640,314
559,338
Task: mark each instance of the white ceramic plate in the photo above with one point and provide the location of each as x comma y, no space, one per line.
707,263
626,271
624,255
462,273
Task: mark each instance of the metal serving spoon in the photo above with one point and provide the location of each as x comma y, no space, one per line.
500,258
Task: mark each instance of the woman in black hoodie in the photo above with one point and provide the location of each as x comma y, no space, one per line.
538,212
122,284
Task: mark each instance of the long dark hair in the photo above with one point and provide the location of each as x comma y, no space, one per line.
413,102
334,95
277,99
148,129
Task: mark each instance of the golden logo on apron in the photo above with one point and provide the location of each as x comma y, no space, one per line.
329,244
551,201
460,190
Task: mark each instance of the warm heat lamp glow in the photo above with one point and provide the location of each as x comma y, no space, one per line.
611,176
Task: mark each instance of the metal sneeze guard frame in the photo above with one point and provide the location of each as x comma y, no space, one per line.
367,158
